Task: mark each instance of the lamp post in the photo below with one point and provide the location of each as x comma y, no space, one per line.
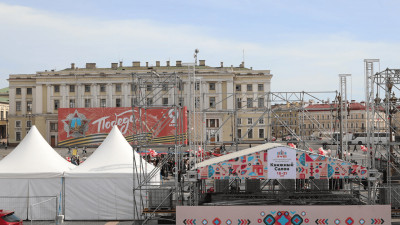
392,110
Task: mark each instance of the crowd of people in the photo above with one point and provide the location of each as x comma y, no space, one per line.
74,157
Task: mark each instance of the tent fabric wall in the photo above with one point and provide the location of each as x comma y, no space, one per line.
99,198
23,196
30,174
14,193
101,188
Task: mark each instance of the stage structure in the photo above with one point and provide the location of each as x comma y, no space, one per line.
381,89
147,93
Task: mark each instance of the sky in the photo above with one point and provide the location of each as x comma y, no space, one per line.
305,44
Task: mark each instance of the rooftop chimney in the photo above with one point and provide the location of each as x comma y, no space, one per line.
157,63
222,64
147,64
168,63
136,63
202,62
114,66
120,63
73,66
90,65
178,63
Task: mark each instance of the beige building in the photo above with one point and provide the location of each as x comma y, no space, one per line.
218,90
285,119
324,118
4,107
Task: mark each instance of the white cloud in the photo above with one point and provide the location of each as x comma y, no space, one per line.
37,40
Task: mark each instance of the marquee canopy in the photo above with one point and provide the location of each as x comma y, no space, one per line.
33,158
275,161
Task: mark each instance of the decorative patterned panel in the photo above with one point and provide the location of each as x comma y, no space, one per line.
308,165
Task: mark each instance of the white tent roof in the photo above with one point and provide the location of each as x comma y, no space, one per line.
233,155
114,157
33,158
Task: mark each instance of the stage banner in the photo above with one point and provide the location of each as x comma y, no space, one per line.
282,163
90,126
284,214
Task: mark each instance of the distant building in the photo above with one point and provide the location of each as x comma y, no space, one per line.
229,96
4,106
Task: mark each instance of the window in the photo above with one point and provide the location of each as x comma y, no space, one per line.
133,87
103,102
165,101
249,87
102,88
181,101
87,88
29,106
261,121
117,87
238,103
239,121
260,133
149,87
212,102
134,101
249,121
87,103
249,102
56,88
197,86
53,127
212,86
72,103
197,102
238,87
181,86
260,102
18,136
149,101
28,124
250,133
118,102
71,88
29,91
18,123
2,115
165,87
18,91
212,122
239,133
260,87
18,106
56,104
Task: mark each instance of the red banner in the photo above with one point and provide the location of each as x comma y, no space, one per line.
90,126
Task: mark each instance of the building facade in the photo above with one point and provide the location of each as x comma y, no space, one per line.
4,107
225,96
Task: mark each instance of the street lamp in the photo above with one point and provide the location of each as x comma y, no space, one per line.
392,110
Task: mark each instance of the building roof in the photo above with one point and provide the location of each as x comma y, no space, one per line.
4,90
329,106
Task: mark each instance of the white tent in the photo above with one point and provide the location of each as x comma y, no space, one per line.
31,178
101,188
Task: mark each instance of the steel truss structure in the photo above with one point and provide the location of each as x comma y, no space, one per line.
381,89
268,114
148,91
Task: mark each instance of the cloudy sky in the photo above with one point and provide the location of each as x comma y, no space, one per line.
305,44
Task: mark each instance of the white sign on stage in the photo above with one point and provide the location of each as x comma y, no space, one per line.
282,163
